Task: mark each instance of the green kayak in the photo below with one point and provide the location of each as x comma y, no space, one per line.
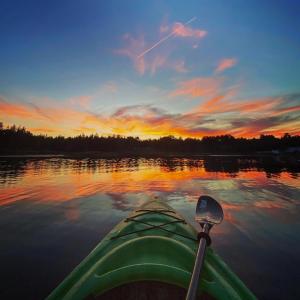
150,255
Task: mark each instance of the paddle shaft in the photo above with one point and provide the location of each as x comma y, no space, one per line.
194,283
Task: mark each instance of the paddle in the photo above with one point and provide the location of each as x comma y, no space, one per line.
208,213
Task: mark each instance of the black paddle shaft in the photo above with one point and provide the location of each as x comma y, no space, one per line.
194,283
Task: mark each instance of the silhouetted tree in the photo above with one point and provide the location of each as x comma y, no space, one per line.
15,139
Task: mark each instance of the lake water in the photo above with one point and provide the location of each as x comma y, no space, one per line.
54,211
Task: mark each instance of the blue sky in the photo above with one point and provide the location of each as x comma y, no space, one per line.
80,58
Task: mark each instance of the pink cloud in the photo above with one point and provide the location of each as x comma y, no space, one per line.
27,111
223,103
182,30
225,63
148,63
179,30
139,53
134,46
110,87
198,87
289,109
81,101
157,62
164,28
179,66
162,62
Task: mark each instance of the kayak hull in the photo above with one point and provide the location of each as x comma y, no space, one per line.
154,244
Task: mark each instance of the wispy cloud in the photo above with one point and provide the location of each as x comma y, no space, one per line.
134,46
44,130
150,63
181,30
179,66
81,101
225,63
254,126
20,110
158,62
221,104
162,61
110,87
51,116
198,87
139,53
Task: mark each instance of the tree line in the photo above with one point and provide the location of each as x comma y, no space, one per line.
15,139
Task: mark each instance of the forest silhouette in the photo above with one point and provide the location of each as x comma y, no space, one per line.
19,140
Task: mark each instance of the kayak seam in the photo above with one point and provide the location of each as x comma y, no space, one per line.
141,265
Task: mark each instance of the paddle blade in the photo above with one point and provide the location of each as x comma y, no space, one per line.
209,211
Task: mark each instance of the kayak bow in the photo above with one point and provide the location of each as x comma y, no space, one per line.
151,253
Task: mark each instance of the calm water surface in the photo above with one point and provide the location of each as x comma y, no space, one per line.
54,211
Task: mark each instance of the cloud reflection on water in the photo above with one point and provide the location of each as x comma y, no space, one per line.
53,203
241,186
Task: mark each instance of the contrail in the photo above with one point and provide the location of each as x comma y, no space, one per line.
164,39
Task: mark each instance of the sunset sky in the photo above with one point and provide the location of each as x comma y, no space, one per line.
151,68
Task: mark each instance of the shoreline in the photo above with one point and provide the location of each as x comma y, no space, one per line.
154,154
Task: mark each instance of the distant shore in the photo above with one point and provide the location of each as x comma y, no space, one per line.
284,157
17,142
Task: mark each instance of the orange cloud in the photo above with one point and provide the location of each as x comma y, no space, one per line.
18,110
222,102
42,113
43,130
289,109
41,119
217,115
225,63
209,105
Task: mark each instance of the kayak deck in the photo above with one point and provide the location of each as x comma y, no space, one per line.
147,290
153,245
